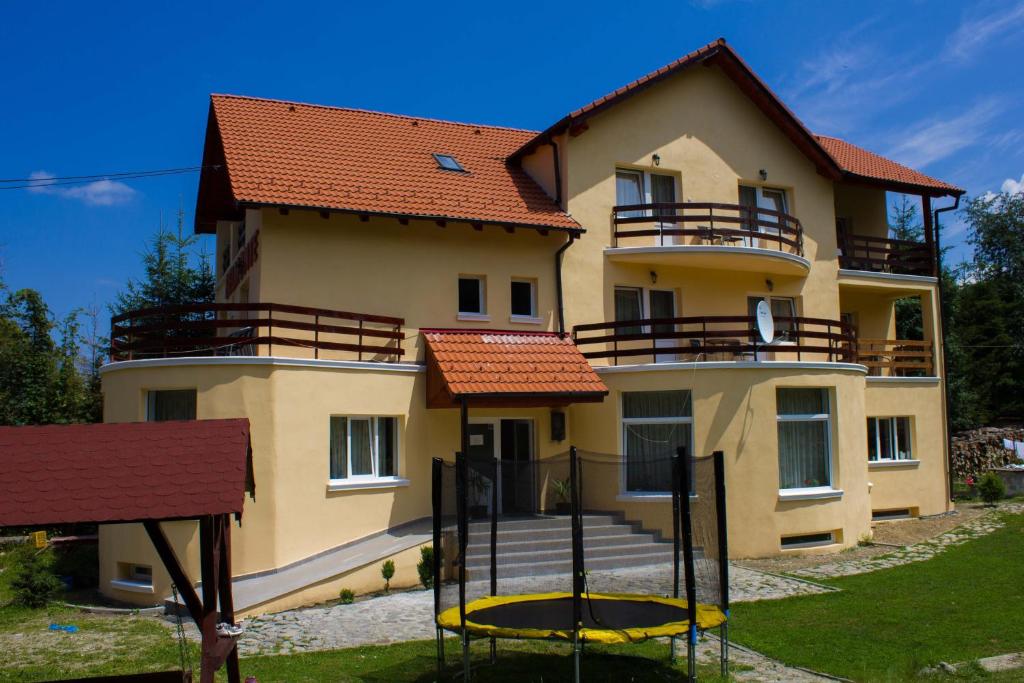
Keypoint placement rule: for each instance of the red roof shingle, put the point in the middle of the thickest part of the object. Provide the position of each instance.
(60, 474)
(489, 363)
(291, 154)
(861, 162)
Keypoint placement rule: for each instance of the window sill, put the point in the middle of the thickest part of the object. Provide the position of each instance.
(525, 320)
(816, 493)
(131, 585)
(363, 484)
(473, 317)
(647, 497)
(887, 464)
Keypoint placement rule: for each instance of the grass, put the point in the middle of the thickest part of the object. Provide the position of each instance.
(887, 625)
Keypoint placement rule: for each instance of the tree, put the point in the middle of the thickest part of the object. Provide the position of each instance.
(40, 378)
(175, 273)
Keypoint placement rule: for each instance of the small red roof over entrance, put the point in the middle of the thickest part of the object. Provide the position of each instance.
(498, 367)
(58, 474)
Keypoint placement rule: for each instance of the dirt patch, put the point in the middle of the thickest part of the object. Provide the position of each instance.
(886, 535)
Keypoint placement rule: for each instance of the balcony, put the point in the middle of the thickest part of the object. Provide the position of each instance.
(884, 255)
(715, 338)
(708, 235)
(896, 357)
(255, 329)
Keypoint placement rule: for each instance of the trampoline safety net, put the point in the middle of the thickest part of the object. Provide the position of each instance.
(542, 549)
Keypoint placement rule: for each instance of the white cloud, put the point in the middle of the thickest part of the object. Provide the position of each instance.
(1012, 186)
(974, 32)
(934, 139)
(95, 193)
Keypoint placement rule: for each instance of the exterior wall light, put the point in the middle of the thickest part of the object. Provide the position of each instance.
(654, 278)
(763, 173)
(656, 158)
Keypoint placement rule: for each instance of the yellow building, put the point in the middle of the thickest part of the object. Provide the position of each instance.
(393, 289)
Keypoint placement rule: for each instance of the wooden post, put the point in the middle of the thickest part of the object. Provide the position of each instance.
(208, 561)
(227, 601)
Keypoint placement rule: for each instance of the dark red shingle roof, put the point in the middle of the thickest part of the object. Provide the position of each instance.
(60, 474)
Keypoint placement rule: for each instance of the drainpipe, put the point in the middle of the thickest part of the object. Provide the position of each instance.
(942, 341)
(558, 283)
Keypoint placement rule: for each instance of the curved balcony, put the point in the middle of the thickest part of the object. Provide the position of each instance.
(715, 338)
(254, 329)
(708, 235)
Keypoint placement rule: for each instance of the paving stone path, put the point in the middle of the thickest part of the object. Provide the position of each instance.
(408, 615)
(925, 550)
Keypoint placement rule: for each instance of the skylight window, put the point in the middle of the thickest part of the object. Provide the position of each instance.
(448, 162)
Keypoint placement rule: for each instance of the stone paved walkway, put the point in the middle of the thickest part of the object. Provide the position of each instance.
(925, 550)
(409, 615)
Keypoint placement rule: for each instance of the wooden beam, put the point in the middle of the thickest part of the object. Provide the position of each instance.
(283, 210)
(174, 568)
(364, 217)
(227, 600)
(208, 562)
(929, 233)
(510, 229)
(441, 224)
(325, 215)
(478, 226)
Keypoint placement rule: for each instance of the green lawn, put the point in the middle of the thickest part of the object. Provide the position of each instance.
(887, 625)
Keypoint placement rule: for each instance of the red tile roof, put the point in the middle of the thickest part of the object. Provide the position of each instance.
(495, 362)
(836, 158)
(291, 154)
(59, 474)
(860, 162)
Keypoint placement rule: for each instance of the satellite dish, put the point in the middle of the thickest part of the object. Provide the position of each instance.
(765, 322)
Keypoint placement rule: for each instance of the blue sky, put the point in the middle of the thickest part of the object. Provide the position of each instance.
(106, 87)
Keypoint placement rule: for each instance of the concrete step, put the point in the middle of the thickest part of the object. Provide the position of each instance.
(544, 522)
(564, 535)
(621, 552)
(622, 537)
(548, 567)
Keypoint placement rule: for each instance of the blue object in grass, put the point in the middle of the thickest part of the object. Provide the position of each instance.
(67, 628)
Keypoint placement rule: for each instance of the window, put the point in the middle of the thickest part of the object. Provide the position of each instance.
(524, 298)
(141, 573)
(889, 439)
(654, 424)
(805, 436)
(771, 199)
(364, 447)
(782, 307)
(808, 540)
(176, 404)
(471, 295)
(629, 189)
(629, 306)
(448, 163)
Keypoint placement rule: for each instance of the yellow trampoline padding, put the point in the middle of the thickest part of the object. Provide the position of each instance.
(708, 616)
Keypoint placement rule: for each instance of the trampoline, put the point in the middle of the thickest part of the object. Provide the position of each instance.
(511, 561)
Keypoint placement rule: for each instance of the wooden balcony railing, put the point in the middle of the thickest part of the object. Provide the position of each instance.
(715, 338)
(896, 357)
(254, 329)
(884, 255)
(707, 223)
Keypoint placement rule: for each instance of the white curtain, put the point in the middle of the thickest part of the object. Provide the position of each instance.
(650, 446)
(339, 452)
(803, 443)
(629, 190)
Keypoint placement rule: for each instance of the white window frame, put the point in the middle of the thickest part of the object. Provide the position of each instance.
(828, 490)
(374, 479)
(480, 315)
(894, 419)
(653, 496)
(532, 317)
(647, 192)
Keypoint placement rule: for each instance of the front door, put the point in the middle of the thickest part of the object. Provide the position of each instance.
(663, 305)
(509, 444)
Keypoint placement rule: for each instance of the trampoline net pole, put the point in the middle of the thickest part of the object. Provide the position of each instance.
(691, 581)
(495, 487)
(723, 554)
(675, 543)
(435, 570)
(577, 545)
(461, 489)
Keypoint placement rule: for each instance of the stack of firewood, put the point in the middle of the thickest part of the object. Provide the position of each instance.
(978, 450)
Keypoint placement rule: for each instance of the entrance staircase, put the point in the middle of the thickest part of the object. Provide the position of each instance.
(541, 545)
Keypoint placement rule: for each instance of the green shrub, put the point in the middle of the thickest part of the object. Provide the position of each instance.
(33, 583)
(991, 487)
(387, 570)
(79, 561)
(346, 596)
(425, 567)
